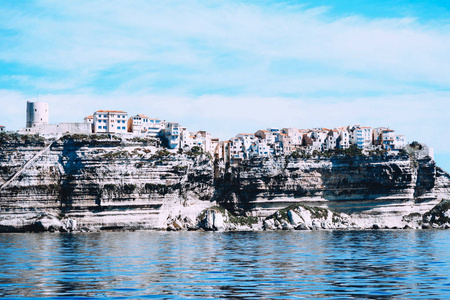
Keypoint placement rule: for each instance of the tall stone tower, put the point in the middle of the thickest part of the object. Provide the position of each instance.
(37, 114)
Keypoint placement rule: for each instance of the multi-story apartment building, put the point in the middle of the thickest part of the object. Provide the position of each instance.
(361, 136)
(138, 124)
(171, 134)
(110, 121)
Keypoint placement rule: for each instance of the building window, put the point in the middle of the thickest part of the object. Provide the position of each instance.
(99, 127)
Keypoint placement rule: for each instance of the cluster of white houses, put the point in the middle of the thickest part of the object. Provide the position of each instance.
(272, 141)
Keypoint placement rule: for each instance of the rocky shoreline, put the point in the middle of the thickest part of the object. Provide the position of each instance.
(80, 183)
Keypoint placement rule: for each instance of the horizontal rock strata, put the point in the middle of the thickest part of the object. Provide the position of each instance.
(87, 183)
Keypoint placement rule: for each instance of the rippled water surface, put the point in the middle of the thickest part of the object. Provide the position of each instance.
(248, 265)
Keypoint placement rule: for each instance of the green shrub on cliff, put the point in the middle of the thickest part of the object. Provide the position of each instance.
(90, 137)
(196, 150)
(416, 145)
(15, 138)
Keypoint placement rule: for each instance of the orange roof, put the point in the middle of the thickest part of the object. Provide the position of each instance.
(143, 116)
(112, 111)
(2, 126)
(89, 117)
(366, 127)
(246, 133)
(283, 134)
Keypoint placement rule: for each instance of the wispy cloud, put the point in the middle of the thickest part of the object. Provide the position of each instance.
(225, 45)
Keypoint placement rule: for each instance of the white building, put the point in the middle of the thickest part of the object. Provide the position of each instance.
(138, 124)
(2, 128)
(260, 148)
(186, 139)
(295, 135)
(268, 136)
(201, 139)
(110, 121)
(171, 134)
(236, 149)
(204, 141)
(89, 119)
(223, 151)
(247, 140)
(387, 139)
(361, 136)
(399, 142)
(141, 124)
(37, 122)
(284, 142)
(155, 127)
(318, 136)
(344, 139)
(37, 114)
(331, 141)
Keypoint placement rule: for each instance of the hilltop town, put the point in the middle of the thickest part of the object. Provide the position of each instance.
(262, 143)
(115, 171)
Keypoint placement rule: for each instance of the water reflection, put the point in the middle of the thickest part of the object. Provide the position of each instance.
(247, 265)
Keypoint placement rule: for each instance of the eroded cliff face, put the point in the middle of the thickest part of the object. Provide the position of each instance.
(368, 187)
(108, 183)
(87, 183)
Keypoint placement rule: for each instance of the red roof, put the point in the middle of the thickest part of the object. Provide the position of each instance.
(89, 117)
(143, 116)
(112, 111)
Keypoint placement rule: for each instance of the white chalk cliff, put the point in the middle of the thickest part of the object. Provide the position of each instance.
(87, 183)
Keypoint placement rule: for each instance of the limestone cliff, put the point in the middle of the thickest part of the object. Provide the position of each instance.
(102, 182)
(381, 190)
(105, 182)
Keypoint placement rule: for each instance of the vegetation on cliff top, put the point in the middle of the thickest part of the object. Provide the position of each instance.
(21, 139)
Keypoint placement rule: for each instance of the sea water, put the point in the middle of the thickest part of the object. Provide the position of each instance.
(237, 265)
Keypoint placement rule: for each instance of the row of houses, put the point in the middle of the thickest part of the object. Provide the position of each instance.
(274, 141)
(264, 143)
(173, 134)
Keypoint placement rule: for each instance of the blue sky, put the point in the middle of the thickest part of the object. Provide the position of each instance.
(233, 66)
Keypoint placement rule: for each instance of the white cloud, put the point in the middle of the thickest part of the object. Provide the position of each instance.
(86, 37)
